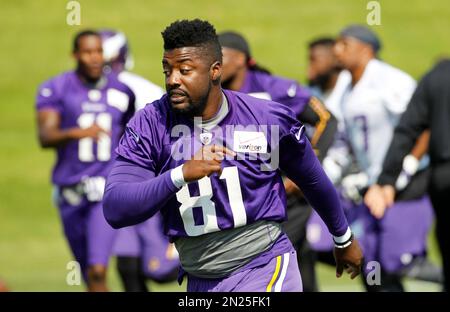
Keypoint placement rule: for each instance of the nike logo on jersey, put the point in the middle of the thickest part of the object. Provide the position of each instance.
(299, 133)
(133, 134)
(292, 91)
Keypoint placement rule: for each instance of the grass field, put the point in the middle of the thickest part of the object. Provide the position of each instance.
(35, 44)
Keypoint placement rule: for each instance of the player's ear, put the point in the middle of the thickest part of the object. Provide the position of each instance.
(216, 71)
(241, 59)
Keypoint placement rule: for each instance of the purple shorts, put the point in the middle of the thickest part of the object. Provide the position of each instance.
(317, 232)
(147, 240)
(89, 235)
(400, 235)
(275, 270)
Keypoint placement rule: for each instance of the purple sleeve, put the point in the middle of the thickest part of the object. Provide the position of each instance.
(133, 194)
(47, 97)
(290, 93)
(300, 164)
(140, 143)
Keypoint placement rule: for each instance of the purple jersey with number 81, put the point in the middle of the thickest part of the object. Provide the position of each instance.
(246, 191)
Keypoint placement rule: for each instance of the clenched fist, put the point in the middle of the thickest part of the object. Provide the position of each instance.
(205, 162)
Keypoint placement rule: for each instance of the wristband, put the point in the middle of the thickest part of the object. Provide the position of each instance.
(176, 175)
(344, 240)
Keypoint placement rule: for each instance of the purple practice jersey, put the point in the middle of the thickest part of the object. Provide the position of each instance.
(109, 105)
(285, 91)
(249, 188)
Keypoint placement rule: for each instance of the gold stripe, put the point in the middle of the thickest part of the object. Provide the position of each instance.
(275, 275)
(324, 116)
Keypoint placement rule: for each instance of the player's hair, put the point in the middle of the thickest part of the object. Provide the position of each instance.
(323, 41)
(192, 33)
(252, 65)
(81, 34)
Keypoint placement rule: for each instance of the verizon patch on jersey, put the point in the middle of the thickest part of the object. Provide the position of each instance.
(249, 142)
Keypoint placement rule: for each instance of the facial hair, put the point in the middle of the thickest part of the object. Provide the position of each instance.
(195, 108)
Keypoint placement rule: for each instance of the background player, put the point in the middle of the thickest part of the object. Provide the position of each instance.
(371, 105)
(220, 189)
(82, 113)
(143, 251)
(428, 109)
(326, 78)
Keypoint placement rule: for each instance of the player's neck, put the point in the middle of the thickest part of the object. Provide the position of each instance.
(331, 82)
(213, 104)
(237, 81)
(88, 80)
(358, 71)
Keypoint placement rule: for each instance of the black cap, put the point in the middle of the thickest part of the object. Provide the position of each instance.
(363, 34)
(233, 40)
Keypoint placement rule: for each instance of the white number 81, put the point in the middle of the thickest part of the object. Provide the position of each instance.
(231, 177)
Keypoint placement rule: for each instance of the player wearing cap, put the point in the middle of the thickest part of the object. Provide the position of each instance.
(371, 104)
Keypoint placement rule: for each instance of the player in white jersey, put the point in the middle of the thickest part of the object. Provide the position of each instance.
(371, 107)
(146, 91)
(118, 57)
(143, 251)
(371, 103)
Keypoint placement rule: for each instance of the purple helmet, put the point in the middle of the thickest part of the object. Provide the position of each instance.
(116, 51)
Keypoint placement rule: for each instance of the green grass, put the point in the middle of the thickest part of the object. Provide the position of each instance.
(35, 41)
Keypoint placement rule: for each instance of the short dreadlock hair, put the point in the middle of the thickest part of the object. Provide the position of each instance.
(81, 34)
(323, 41)
(193, 33)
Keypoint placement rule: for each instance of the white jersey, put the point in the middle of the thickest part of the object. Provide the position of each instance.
(338, 159)
(144, 90)
(332, 99)
(371, 110)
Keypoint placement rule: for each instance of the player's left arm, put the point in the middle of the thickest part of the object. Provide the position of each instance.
(300, 164)
(324, 123)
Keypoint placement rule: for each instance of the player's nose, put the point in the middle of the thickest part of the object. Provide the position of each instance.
(173, 79)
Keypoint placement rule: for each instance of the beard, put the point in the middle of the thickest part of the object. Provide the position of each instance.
(323, 79)
(320, 81)
(194, 108)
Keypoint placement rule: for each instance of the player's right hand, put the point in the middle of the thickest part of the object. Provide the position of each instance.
(352, 184)
(205, 162)
(94, 131)
(378, 199)
(349, 259)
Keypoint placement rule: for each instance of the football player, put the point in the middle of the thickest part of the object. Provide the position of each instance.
(82, 114)
(371, 103)
(209, 160)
